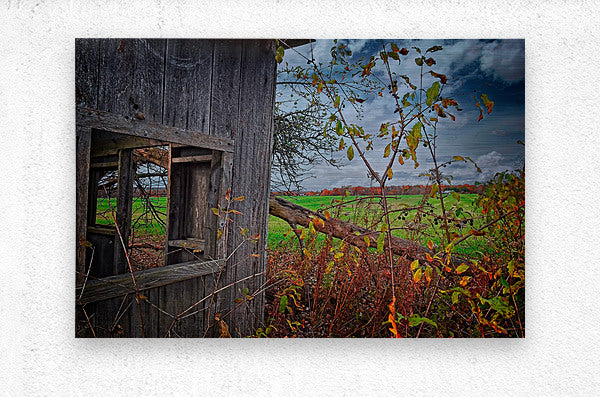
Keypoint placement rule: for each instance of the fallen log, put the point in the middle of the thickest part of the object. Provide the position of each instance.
(349, 232)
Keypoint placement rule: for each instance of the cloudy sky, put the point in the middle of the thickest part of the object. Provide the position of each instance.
(493, 67)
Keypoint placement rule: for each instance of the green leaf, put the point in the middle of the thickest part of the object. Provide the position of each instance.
(462, 268)
(455, 297)
(434, 190)
(380, 242)
(336, 102)
(329, 267)
(432, 93)
(279, 54)
(419, 61)
(367, 241)
(339, 129)
(416, 130)
(283, 302)
(386, 152)
(350, 153)
(415, 320)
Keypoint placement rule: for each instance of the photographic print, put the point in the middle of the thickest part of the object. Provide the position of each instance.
(282, 188)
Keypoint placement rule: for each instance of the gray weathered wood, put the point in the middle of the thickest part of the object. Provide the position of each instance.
(188, 72)
(83, 140)
(124, 208)
(193, 159)
(251, 173)
(97, 119)
(191, 244)
(86, 72)
(110, 164)
(106, 147)
(221, 90)
(122, 284)
(131, 74)
(225, 90)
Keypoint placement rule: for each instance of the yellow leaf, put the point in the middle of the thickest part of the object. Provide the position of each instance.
(462, 268)
(306, 253)
(390, 173)
(326, 214)
(428, 274)
(85, 243)
(387, 150)
(414, 265)
(430, 244)
(417, 275)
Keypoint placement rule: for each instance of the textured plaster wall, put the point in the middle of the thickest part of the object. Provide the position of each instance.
(39, 355)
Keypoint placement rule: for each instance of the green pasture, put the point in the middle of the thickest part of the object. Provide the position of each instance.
(143, 219)
(362, 212)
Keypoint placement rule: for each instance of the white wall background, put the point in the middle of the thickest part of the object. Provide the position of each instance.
(38, 354)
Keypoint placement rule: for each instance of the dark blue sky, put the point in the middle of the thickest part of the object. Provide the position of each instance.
(493, 67)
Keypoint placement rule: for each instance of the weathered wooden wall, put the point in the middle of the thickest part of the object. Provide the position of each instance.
(224, 88)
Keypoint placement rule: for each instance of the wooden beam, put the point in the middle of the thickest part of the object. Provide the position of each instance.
(106, 147)
(193, 159)
(110, 164)
(122, 284)
(190, 243)
(92, 118)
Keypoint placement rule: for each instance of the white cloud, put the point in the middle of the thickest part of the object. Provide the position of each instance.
(504, 60)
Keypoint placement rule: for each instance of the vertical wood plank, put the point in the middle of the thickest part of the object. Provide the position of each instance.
(83, 141)
(251, 170)
(124, 208)
(188, 75)
(131, 74)
(225, 98)
(225, 122)
(93, 196)
(86, 72)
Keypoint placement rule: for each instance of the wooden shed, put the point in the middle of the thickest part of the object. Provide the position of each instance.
(211, 103)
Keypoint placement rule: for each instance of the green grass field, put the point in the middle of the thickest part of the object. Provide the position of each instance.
(364, 212)
(142, 220)
(360, 212)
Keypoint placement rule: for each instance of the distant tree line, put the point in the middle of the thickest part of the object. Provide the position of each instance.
(389, 190)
